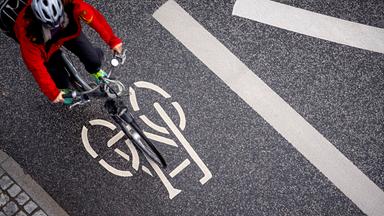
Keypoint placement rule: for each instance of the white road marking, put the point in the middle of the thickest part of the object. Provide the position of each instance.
(180, 168)
(185, 143)
(148, 85)
(180, 111)
(135, 155)
(115, 139)
(293, 127)
(311, 24)
(160, 139)
(153, 125)
(146, 170)
(87, 145)
(171, 190)
(133, 99)
(122, 154)
(102, 122)
(115, 171)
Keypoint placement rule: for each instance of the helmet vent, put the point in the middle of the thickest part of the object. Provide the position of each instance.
(49, 12)
(46, 14)
(54, 11)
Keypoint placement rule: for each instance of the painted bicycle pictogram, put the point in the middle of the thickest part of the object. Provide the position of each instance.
(170, 135)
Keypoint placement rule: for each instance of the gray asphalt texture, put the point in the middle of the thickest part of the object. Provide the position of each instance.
(336, 88)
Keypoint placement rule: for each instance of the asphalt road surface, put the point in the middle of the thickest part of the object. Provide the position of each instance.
(253, 118)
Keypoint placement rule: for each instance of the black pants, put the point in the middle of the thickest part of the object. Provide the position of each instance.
(90, 56)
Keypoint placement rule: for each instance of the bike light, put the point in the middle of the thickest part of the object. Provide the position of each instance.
(114, 62)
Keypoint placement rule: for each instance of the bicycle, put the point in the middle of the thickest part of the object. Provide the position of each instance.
(116, 109)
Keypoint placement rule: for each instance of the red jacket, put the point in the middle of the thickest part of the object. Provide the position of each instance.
(35, 55)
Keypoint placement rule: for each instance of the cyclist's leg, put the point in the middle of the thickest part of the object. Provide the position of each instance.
(89, 55)
(55, 67)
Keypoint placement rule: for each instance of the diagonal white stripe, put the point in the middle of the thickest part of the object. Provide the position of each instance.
(293, 127)
(180, 168)
(311, 24)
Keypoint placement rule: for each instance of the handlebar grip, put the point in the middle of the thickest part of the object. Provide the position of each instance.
(71, 95)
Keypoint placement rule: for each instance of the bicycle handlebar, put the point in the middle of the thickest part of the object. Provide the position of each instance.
(104, 85)
(119, 59)
(72, 95)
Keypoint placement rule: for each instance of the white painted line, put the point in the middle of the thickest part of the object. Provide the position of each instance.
(160, 139)
(135, 155)
(311, 24)
(180, 111)
(185, 143)
(151, 86)
(293, 127)
(153, 125)
(146, 170)
(88, 147)
(133, 99)
(180, 168)
(102, 122)
(122, 154)
(171, 190)
(115, 171)
(115, 139)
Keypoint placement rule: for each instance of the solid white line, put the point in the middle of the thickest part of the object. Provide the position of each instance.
(160, 139)
(311, 24)
(179, 168)
(153, 125)
(293, 127)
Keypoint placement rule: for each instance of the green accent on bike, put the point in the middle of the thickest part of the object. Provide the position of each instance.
(99, 74)
(67, 101)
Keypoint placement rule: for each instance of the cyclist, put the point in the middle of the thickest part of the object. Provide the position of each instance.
(44, 26)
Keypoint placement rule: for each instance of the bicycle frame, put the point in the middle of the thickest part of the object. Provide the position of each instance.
(116, 109)
(73, 74)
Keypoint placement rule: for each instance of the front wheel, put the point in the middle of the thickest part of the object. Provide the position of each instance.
(140, 141)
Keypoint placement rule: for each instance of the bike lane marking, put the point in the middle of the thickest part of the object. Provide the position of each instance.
(180, 168)
(283, 118)
(311, 24)
(133, 157)
(187, 146)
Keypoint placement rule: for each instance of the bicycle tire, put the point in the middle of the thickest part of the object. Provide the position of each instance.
(141, 142)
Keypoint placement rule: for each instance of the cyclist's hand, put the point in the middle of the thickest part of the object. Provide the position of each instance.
(59, 98)
(118, 48)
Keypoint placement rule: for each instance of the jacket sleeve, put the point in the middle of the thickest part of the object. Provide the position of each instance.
(97, 21)
(35, 63)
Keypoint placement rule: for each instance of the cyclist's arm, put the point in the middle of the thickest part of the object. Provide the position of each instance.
(35, 63)
(33, 59)
(97, 21)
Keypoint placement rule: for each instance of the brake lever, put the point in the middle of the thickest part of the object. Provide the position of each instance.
(81, 102)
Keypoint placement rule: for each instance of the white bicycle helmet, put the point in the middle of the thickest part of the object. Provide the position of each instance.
(49, 12)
